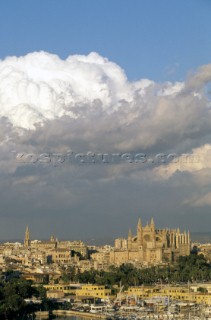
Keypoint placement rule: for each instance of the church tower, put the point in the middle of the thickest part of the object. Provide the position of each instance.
(27, 241)
(139, 233)
(152, 231)
(129, 241)
(152, 225)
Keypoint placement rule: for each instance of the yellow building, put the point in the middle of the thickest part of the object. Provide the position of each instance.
(183, 293)
(186, 294)
(96, 291)
(65, 288)
(142, 292)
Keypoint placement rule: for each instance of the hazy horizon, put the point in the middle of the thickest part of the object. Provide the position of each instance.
(202, 237)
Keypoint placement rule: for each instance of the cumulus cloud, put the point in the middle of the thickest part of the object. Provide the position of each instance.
(89, 98)
(86, 103)
(41, 86)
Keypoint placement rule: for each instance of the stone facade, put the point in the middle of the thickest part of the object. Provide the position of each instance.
(151, 246)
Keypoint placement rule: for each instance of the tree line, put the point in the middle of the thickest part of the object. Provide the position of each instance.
(193, 268)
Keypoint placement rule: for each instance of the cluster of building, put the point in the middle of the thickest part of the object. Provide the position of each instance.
(199, 293)
(89, 292)
(149, 246)
(44, 262)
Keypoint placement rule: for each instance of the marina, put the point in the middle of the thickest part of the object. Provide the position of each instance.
(174, 311)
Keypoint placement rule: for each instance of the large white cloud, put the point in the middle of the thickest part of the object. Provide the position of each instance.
(42, 86)
(100, 103)
(87, 103)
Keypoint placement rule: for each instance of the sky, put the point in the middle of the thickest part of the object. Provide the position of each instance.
(104, 77)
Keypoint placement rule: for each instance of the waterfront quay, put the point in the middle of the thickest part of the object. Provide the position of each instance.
(174, 311)
(68, 314)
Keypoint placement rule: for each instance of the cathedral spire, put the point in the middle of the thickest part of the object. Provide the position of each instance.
(188, 237)
(139, 233)
(139, 226)
(27, 233)
(27, 241)
(129, 241)
(130, 234)
(152, 223)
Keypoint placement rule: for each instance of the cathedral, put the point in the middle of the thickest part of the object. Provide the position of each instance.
(151, 246)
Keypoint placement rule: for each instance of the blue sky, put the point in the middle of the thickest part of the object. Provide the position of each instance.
(156, 39)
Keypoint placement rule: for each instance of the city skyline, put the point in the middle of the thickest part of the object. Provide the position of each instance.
(104, 78)
(28, 236)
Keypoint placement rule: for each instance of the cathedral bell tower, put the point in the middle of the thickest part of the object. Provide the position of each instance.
(129, 241)
(152, 231)
(139, 233)
(27, 241)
